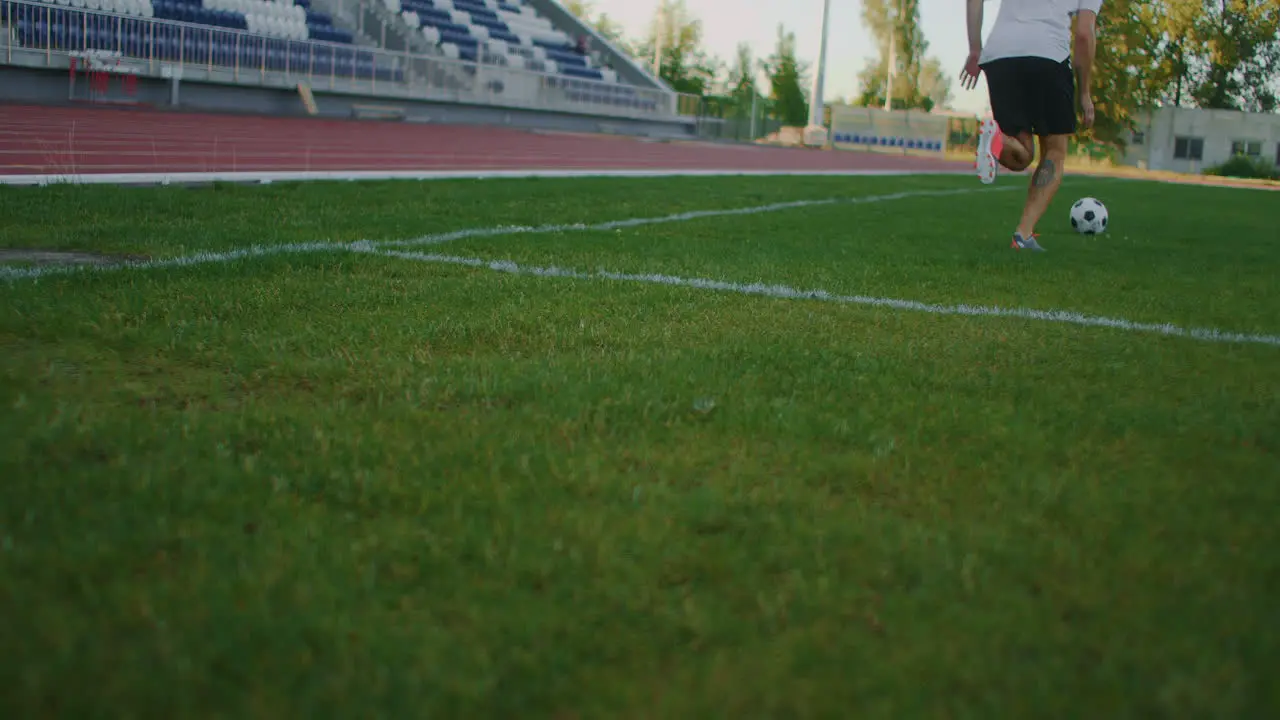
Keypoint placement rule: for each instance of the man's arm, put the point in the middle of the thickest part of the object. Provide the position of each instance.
(973, 14)
(1086, 48)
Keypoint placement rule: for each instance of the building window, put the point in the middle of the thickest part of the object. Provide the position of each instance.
(1138, 137)
(1250, 148)
(1188, 148)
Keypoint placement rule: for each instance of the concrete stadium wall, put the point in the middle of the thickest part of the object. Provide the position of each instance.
(45, 86)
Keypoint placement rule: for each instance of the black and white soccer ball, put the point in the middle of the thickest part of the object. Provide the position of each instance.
(1089, 216)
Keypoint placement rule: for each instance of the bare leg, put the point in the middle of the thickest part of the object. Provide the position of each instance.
(1016, 154)
(1044, 183)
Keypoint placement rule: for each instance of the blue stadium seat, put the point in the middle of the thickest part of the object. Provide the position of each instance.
(582, 72)
(72, 30)
(459, 39)
(507, 33)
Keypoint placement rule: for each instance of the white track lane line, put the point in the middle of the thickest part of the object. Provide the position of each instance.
(269, 176)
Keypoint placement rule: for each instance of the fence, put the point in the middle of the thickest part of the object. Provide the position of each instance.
(53, 36)
(723, 118)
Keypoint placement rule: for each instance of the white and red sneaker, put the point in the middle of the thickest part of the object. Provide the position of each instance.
(990, 143)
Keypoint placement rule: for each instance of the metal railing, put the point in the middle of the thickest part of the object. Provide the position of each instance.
(53, 34)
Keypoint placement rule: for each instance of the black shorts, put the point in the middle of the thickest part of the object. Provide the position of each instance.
(1032, 94)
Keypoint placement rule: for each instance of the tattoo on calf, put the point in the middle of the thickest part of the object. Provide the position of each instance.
(1045, 173)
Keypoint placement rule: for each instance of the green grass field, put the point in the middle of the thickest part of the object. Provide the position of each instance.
(339, 484)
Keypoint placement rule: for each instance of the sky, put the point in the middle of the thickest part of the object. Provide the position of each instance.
(725, 23)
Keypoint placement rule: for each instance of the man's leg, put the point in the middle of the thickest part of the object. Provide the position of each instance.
(1044, 182)
(996, 146)
(1016, 152)
(1005, 138)
(1054, 120)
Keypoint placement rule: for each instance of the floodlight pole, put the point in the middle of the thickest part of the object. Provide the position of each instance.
(819, 77)
(658, 37)
(815, 134)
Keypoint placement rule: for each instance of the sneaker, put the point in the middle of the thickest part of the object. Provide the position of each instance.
(1025, 243)
(990, 142)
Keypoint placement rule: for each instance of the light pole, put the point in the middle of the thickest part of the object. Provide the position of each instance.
(815, 134)
(658, 36)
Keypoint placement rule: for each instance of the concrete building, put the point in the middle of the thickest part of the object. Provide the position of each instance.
(1189, 140)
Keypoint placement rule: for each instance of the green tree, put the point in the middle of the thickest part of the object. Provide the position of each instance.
(1206, 53)
(1174, 24)
(918, 80)
(684, 65)
(742, 83)
(786, 81)
(934, 85)
(1134, 66)
(1241, 60)
(584, 10)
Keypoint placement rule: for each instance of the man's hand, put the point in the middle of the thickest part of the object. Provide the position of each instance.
(1086, 108)
(970, 72)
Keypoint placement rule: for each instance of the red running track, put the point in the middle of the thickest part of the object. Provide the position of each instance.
(84, 140)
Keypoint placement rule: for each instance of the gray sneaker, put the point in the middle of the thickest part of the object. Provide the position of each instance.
(1025, 243)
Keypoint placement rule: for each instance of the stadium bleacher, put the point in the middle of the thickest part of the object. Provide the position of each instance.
(498, 32)
(291, 36)
(510, 33)
(289, 19)
(239, 33)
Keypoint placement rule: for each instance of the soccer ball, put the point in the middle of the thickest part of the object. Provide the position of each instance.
(1089, 216)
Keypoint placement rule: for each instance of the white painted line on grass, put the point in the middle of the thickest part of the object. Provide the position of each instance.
(254, 251)
(268, 176)
(760, 289)
(35, 272)
(440, 238)
(791, 293)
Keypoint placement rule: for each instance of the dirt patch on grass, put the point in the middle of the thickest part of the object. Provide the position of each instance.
(64, 257)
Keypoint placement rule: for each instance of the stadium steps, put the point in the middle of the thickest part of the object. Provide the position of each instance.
(371, 14)
(363, 19)
(363, 16)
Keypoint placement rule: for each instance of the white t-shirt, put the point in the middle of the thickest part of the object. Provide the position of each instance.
(1038, 28)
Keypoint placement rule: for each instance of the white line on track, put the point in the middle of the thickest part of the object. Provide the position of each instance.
(268, 176)
(388, 249)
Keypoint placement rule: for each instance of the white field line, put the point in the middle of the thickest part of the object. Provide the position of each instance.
(760, 289)
(255, 251)
(677, 217)
(791, 293)
(266, 177)
(201, 258)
